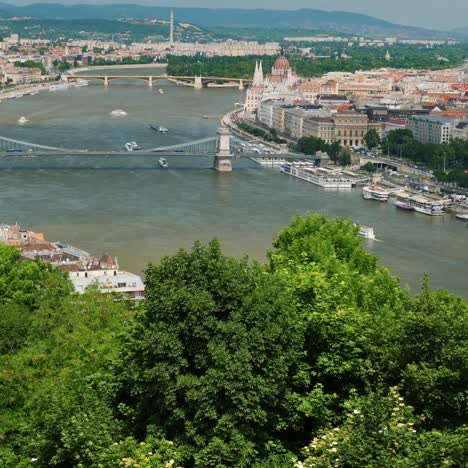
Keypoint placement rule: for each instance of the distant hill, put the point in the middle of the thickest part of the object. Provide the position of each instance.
(461, 32)
(309, 19)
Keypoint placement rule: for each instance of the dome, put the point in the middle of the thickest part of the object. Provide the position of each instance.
(282, 63)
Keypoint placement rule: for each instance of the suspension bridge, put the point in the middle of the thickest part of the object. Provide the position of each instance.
(222, 148)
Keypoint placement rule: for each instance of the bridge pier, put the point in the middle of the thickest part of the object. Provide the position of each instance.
(223, 158)
(150, 81)
(241, 85)
(106, 81)
(198, 83)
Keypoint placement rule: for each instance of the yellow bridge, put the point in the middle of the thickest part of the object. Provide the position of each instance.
(196, 82)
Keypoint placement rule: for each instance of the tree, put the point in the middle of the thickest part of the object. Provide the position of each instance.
(215, 357)
(372, 138)
(382, 430)
(369, 167)
(344, 157)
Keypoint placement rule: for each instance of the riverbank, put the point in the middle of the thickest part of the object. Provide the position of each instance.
(23, 90)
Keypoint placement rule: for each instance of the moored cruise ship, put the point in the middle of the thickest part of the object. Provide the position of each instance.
(427, 207)
(325, 178)
(373, 192)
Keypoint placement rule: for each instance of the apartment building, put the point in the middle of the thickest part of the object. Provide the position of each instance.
(431, 129)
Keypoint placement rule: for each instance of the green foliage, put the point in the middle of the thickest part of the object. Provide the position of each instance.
(233, 363)
(344, 157)
(32, 64)
(29, 283)
(369, 167)
(372, 138)
(453, 156)
(362, 58)
(214, 357)
(310, 145)
(383, 431)
(145, 59)
(267, 135)
(430, 357)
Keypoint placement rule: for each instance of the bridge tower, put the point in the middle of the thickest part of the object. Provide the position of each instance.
(150, 81)
(106, 81)
(241, 85)
(223, 158)
(198, 83)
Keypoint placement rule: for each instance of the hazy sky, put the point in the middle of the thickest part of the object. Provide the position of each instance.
(441, 14)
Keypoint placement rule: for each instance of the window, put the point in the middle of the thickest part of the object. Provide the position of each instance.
(121, 285)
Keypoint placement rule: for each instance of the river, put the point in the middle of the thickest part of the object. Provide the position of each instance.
(129, 207)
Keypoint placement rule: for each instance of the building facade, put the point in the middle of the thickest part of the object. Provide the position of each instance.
(431, 129)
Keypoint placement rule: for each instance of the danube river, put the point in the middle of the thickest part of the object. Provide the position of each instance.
(129, 207)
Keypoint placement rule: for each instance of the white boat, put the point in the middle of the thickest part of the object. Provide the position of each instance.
(205, 116)
(79, 83)
(162, 129)
(118, 113)
(462, 216)
(58, 86)
(373, 192)
(427, 207)
(131, 146)
(160, 91)
(22, 120)
(325, 178)
(404, 204)
(367, 232)
(163, 163)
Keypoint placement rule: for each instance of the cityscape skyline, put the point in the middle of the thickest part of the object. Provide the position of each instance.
(429, 14)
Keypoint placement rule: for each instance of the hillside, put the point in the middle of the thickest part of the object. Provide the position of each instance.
(309, 19)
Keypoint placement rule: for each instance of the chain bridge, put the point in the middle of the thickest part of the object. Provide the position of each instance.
(221, 147)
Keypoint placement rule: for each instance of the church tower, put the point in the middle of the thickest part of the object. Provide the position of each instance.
(258, 75)
(388, 57)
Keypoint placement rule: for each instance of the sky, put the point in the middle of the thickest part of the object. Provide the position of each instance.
(437, 14)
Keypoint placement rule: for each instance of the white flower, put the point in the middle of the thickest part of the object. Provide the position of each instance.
(171, 462)
(333, 449)
(33, 460)
(400, 424)
(356, 411)
(334, 443)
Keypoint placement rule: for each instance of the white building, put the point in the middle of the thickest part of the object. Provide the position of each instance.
(431, 129)
(108, 281)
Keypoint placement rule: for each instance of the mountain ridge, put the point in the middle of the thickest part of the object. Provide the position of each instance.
(304, 18)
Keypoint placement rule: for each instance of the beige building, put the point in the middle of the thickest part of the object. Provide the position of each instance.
(347, 128)
(21, 75)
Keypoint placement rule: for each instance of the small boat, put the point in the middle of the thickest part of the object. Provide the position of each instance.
(22, 120)
(162, 129)
(118, 113)
(462, 216)
(131, 146)
(58, 86)
(79, 83)
(205, 116)
(367, 232)
(163, 163)
(403, 204)
(160, 91)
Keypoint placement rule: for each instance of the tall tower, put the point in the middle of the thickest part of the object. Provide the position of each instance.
(258, 75)
(171, 36)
